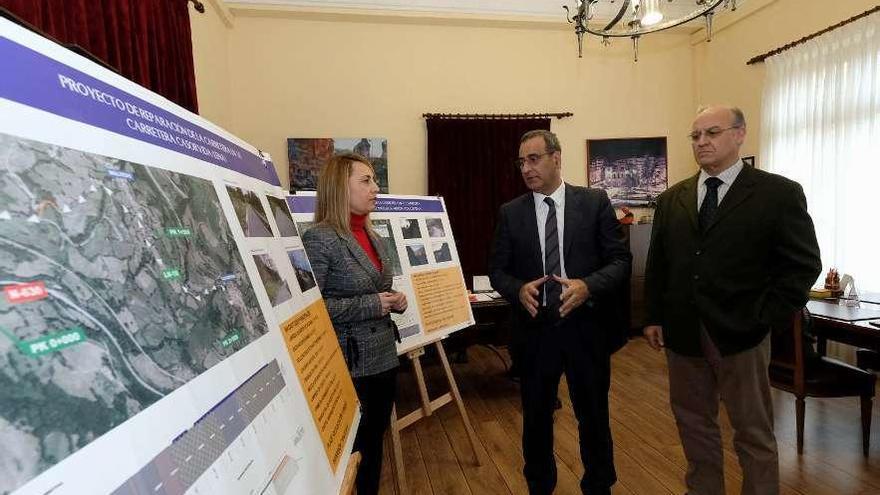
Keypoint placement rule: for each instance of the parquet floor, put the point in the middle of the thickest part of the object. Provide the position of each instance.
(648, 457)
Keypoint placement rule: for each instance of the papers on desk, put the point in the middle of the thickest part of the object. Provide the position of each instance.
(480, 297)
(484, 296)
(482, 283)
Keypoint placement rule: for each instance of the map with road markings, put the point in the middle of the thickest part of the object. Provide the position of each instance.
(118, 284)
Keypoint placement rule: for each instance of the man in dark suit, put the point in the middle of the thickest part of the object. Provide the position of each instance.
(733, 255)
(558, 257)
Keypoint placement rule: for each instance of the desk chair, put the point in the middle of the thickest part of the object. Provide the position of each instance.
(868, 359)
(797, 369)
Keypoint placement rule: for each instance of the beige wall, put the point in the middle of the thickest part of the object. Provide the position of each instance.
(720, 70)
(210, 33)
(352, 77)
(269, 75)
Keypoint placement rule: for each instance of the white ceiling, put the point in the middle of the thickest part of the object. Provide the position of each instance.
(507, 8)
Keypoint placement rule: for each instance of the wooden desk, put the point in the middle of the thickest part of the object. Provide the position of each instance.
(870, 297)
(492, 318)
(853, 328)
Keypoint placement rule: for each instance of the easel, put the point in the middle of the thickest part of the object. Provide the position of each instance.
(427, 409)
(350, 474)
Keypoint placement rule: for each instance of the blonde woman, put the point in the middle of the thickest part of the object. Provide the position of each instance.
(354, 274)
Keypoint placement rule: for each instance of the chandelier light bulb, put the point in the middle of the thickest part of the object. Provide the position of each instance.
(652, 13)
(636, 18)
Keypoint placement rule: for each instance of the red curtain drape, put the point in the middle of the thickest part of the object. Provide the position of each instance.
(470, 164)
(147, 41)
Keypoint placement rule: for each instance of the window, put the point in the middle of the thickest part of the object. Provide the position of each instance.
(821, 127)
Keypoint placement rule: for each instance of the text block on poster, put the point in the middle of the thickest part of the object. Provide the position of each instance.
(324, 377)
(442, 298)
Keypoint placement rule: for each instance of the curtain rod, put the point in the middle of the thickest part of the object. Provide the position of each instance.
(498, 116)
(776, 51)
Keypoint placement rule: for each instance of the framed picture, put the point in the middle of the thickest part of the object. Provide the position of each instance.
(749, 161)
(633, 171)
(305, 156)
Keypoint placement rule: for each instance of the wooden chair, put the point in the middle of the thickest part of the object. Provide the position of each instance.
(797, 369)
(868, 359)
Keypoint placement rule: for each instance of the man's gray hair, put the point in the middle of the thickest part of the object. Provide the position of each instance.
(739, 118)
(551, 142)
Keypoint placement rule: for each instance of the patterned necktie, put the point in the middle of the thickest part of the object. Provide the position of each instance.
(710, 202)
(552, 288)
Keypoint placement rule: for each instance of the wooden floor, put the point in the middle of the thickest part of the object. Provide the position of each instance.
(648, 457)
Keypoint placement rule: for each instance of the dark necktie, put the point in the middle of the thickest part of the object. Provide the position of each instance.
(552, 288)
(710, 203)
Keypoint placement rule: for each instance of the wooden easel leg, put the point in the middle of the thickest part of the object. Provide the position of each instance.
(472, 436)
(397, 455)
(350, 474)
(420, 381)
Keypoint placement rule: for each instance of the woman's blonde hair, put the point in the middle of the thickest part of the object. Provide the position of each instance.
(332, 204)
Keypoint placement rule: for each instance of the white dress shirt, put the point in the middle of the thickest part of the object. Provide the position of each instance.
(542, 209)
(727, 177)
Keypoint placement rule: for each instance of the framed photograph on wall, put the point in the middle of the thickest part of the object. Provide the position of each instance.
(633, 171)
(305, 156)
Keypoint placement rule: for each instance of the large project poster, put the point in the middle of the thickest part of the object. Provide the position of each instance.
(158, 318)
(416, 232)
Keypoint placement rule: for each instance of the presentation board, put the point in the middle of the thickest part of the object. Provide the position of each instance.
(158, 330)
(416, 232)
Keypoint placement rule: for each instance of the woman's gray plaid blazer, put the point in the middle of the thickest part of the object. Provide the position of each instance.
(350, 285)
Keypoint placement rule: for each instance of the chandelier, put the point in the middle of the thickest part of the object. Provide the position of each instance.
(636, 18)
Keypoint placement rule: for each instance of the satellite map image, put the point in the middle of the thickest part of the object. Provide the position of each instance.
(120, 283)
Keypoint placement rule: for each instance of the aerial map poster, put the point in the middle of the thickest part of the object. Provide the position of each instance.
(148, 267)
(415, 232)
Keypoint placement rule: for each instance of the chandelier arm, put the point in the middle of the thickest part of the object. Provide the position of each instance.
(656, 28)
(622, 12)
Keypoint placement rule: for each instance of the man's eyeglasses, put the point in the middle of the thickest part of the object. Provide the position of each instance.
(711, 132)
(530, 159)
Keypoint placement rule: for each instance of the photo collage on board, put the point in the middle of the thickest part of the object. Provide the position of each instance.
(426, 243)
(276, 246)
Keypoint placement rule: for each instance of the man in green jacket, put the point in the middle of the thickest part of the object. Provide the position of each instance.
(733, 255)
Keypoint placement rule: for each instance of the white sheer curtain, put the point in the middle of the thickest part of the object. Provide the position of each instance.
(821, 127)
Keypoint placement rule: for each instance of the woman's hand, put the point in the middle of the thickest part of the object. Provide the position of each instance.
(401, 304)
(388, 300)
(392, 301)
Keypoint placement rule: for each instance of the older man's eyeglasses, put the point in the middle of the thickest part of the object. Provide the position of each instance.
(711, 132)
(531, 159)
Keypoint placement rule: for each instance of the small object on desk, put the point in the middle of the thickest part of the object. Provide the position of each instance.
(832, 282)
(479, 298)
(482, 283)
(494, 295)
(875, 323)
(849, 293)
(628, 216)
(820, 293)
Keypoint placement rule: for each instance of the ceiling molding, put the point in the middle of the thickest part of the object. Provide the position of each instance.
(247, 9)
(730, 18)
(224, 12)
(551, 9)
(294, 9)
